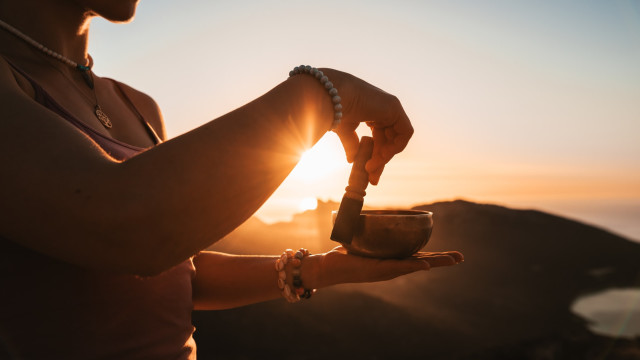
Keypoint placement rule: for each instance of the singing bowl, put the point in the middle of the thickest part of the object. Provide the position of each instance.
(388, 234)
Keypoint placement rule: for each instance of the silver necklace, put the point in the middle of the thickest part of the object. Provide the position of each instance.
(85, 70)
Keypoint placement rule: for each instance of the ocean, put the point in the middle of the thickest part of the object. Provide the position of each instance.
(619, 216)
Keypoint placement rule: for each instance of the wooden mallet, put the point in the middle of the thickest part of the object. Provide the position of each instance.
(353, 199)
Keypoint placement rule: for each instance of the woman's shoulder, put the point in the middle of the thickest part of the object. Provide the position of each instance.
(145, 104)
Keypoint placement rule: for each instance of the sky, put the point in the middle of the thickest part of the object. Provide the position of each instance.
(529, 104)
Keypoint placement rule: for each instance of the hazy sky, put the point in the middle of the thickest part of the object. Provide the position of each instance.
(531, 103)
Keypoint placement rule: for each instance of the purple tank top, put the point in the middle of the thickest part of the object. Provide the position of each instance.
(50, 309)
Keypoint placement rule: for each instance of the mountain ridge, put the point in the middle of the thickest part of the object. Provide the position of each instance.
(522, 271)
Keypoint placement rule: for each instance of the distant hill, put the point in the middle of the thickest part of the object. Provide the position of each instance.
(509, 300)
(310, 229)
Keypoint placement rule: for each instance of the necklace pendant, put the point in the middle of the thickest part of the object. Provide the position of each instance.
(104, 119)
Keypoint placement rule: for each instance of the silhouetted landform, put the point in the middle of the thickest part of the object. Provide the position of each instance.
(509, 300)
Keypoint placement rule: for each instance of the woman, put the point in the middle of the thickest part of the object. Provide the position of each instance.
(103, 222)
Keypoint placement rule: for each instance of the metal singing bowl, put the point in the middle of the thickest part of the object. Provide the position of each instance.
(390, 233)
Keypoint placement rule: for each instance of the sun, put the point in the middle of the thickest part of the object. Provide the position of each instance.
(321, 173)
(308, 203)
(320, 162)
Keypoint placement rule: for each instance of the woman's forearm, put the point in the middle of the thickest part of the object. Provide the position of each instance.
(226, 281)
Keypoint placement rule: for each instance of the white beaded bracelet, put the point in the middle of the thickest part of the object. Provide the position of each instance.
(328, 85)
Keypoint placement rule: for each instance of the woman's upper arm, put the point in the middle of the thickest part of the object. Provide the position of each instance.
(48, 168)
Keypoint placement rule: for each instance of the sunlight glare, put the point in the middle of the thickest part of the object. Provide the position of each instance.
(308, 203)
(322, 161)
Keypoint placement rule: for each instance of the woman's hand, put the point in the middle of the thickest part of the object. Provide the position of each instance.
(381, 111)
(338, 267)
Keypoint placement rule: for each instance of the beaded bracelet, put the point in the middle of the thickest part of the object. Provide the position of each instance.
(324, 80)
(298, 292)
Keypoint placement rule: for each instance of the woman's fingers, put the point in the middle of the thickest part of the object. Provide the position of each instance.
(379, 157)
(387, 142)
(456, 255)
(440, 260)
(342, 267)
(383, 113)
(349, 140)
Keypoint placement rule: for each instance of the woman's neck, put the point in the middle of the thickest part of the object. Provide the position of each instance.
(59, 25)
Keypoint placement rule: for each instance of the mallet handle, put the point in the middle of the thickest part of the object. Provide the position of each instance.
(351, 205)
(359, 178)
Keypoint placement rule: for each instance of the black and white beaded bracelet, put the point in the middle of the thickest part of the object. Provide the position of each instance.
(295, 259)
(328, 85)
